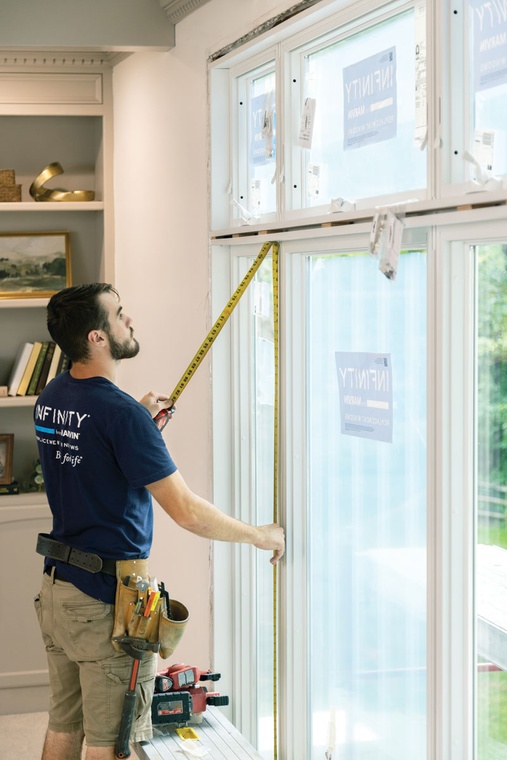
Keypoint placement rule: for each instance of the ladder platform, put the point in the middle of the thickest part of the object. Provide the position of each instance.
(217, 735)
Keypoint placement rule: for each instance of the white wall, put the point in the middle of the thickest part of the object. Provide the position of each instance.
(162, 276)
(162, 264)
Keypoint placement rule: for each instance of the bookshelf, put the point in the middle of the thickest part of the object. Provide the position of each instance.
(53, 108)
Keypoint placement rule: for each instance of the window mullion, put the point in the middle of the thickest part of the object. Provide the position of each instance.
(455, 482)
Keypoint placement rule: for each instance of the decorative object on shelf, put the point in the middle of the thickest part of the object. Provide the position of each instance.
(9, 489)
(36, 479)
(6, 451)
(34, 264)
(10, 192)
(41, 193)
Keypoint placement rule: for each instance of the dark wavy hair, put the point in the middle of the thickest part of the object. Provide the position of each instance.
(72, 313)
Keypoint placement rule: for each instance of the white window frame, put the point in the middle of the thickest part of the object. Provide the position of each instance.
(451, 417)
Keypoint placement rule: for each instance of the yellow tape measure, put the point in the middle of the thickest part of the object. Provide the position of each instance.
(276, 352)
(164, 415)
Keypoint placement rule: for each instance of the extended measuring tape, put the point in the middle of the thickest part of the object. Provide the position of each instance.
(276, 409)
(164, 415)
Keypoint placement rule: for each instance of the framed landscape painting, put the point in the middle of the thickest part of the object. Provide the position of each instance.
(34, 264)
(6, 451)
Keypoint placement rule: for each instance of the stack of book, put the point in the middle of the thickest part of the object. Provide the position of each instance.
(36, 364)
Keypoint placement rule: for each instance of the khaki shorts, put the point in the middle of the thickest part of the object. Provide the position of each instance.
(88, 677)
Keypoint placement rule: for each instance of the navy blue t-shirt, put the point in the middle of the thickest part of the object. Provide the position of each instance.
(98, 449)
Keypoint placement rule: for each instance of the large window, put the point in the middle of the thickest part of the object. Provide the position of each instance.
(392, 635)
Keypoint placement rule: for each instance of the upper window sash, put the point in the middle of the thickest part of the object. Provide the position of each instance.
(355, 133)
(473, 93)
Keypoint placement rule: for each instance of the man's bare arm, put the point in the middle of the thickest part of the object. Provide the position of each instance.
(199, 516)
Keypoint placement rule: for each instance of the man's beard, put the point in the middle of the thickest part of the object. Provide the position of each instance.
(126, 350)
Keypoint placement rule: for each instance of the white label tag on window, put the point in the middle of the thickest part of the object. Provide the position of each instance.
(307, 123)
(483, 151)
(255, 195)
(313, 180)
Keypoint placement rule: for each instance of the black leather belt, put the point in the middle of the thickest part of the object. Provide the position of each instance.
(49, 547)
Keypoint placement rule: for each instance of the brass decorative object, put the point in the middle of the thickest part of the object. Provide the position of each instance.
(41, 193)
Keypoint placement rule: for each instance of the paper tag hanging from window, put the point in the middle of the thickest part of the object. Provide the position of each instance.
(377, 228)
(307, 123)
(390, 246)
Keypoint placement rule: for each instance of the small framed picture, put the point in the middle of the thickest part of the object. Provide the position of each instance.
(34, 264)
(6, 452)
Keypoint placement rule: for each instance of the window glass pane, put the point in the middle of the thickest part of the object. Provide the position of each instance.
(258, 184)
(363, 141)
(488, 84)
(491, 549)
(367, 507)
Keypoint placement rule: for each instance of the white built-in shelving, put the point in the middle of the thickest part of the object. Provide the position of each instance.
(53, 109)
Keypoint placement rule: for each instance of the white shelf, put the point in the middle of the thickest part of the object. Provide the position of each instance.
(23, 303)
(18, 401)
(52, 206)
(32, 499)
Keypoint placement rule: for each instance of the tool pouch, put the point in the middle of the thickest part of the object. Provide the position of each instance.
(129, 618)
(171, 630)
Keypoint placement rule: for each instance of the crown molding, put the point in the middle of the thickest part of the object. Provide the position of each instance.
(71, 59)
(177, 10)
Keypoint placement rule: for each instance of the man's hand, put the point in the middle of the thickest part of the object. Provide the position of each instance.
(272, 537)
(154, 402)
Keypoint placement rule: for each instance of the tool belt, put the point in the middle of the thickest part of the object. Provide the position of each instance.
(53, 549)
(144, 610)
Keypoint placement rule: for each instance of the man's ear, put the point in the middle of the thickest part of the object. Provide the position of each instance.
(97, 338)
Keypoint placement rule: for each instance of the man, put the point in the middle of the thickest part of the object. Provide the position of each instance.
(103, 459)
